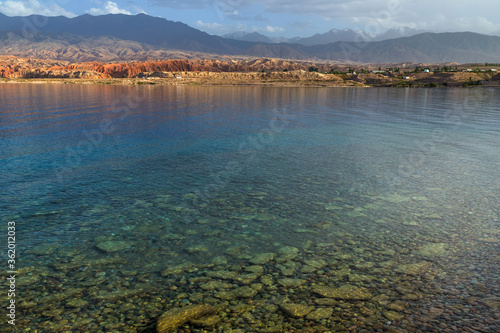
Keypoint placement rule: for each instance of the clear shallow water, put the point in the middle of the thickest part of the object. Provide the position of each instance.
(128, 199)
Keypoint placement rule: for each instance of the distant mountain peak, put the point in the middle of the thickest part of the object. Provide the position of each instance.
(332, 36)
(254, 37)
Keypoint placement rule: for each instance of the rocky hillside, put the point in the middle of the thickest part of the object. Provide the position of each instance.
(13, 67)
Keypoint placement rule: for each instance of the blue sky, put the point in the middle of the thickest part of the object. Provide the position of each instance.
(288, 18)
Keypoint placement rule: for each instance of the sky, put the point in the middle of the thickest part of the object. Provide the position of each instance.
(287, 18)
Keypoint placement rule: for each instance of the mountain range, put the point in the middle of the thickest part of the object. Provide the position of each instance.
(256, 37)
(118, 37)
(332, 36)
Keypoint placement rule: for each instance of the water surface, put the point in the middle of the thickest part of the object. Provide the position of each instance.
(128, 200)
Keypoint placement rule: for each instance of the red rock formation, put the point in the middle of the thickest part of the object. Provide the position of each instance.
(15, 67)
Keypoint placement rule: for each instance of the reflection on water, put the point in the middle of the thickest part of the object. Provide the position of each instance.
(253, 209)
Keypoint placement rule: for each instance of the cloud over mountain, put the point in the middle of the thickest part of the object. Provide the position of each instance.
(370, 16)
(108, 8)
(29, 7)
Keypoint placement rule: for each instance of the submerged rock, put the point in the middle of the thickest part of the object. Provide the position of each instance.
(410, 223)
(178, 269)
(414, 269)
(262, 258)
(215, 285)
(325, 301)
(225, 275)
(433, 250)
(256, 269)
(26, 280)
(392, 315)
(322, 224)
(318, 263)
(243, 292)
(112, 296)
(291, 283)
(196, 249)
(288, 252)
(296, 310)
(53, 312)
(394, 198)
(273, 329)
(77, 303)
(113, 246)
(321, 313)
(246, 278)
(44, 250)
(347, 292)
(219, 260)
(492, 302)
(206, 321)
(172, 319)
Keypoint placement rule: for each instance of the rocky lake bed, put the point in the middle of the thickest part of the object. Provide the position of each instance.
(213, 275)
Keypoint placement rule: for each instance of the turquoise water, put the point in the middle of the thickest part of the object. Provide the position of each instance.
(129, 200)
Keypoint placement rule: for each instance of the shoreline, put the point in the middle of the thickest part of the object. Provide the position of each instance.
(256, 82)
(256, 72)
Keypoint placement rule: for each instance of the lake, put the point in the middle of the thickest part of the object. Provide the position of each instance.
(254, 209)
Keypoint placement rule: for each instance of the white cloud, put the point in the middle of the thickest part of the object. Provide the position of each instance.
(29, 7)
(137, 9)
(271, 29)
(380, 15)
(216, 28)
(219, 29)
(108, 8)
(476, 23)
